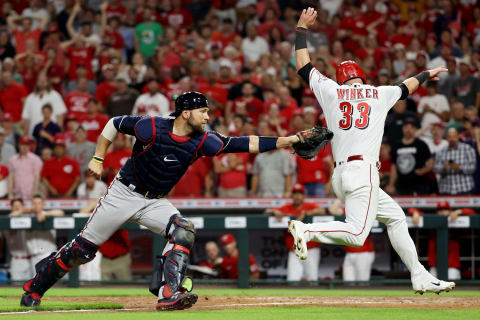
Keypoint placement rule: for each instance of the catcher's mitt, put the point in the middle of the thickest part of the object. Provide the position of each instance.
(311, 141)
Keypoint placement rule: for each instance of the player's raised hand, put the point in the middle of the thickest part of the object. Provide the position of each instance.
(307, 18)
(434, 73)
(95, 169)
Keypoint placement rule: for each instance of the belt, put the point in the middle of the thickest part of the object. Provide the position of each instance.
(354, 158)
(26, 257)
(146, 193)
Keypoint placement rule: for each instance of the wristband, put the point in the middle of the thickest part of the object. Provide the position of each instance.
(422, 77)
(267, 143)
(97, 159)
(301, 38)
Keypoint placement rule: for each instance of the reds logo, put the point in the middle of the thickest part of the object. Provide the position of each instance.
(68, 168)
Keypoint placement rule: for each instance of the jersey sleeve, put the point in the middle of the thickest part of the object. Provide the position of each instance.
(230, 144)
(321, 86)
(126, 124)
(389, 95)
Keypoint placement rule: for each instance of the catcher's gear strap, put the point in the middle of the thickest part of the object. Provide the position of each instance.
(304, 72)
(300, 38)
(77, 252)
(405, 92)
(267, 143)
(422, 76)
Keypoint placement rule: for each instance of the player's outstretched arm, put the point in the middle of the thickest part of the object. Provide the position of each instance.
(262, 144)
(410, 85)
(306, 20)
(95, 167)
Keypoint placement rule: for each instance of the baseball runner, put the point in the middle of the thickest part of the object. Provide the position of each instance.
(162, 153)
(355, 112)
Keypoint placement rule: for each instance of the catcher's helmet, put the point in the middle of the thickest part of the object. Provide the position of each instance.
(188, 101)
(349, 70)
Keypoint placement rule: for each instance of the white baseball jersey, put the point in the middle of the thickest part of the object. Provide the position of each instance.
(156, 105)
(355, 114)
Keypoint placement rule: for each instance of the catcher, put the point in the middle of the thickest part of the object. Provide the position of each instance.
(162, 153)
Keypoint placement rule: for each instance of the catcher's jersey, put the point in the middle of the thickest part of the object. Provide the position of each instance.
(355, 114)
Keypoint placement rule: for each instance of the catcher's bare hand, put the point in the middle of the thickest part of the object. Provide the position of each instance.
(307, 18)
(434, 73)
(95, 169)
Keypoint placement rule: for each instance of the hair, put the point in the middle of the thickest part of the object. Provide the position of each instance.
(38, 196)
(16, 200)
(48, 87)
(47, 106)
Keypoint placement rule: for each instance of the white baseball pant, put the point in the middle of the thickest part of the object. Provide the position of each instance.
(357, 266)
(296, 268)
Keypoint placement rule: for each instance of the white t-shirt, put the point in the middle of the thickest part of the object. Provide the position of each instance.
(156, 105)
(99, 189)
(252, 50)
(437, 103)
(435, 148)
(32, 110)
(355, 114)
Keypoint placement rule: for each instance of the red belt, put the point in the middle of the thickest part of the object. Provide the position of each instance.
(26, 257)
(353, 158)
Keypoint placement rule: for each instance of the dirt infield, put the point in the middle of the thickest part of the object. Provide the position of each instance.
(238, 302)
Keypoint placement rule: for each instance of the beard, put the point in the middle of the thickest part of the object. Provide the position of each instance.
(196, 128)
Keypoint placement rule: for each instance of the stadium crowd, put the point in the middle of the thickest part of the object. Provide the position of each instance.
(68, 66)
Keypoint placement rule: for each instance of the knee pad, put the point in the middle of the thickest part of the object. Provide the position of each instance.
(184, 232)
(77, 252)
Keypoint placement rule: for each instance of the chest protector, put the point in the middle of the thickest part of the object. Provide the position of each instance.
(159, 157)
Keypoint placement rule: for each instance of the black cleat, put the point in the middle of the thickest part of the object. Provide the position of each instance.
(178, 301)
(30, 300)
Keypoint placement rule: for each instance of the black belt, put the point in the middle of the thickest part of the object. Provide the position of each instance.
(147, 194)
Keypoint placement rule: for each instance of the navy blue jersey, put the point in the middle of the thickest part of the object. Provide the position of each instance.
(160, 158)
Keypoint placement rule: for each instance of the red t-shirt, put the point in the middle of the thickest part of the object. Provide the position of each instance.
(104, 91)
(224, 39)
(289, 210)
(254, 107)
(77, 103)
(22, 37)
(56, 71)
(115, 160)
(117, 10)
(93, 125)
(29, 77)
(234, 178)
(367, 247)
(117, 245)
(179, 18)
(10, 100)
(207, 263)
(229, 266)
(61, 173)
(193, 181)
(314, 170)
(216, 92)
(285, 112)
(117, 39)
(80, 56)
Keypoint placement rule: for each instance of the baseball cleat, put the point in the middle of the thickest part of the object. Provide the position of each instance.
(179, 301)
(300, 244)
(30, 300)
(432, 284)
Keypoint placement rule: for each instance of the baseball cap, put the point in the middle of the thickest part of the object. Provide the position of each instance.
(422, 53)
(227, 238)
(108, 66)
(298, 188)
(7, 117)
(309, 109)
(439, 124)
(308, 93)
(443, 205)
(120, 77)
(383, 72)
(226, 63)
(399, 46)
(463, 61)
(59, 139)
(25, 140)
(412, 121)
(70, 117)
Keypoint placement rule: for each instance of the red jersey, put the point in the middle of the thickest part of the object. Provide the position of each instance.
(117, 245)
(22, 37)
(216, 92)
(289, 210)
(61, 173)
(104, 91)
(93, 125)
(207, 263)
(80, 56)
(316, 169)
(116, 10)
(11, 100)
(77, 103)
(116, 39)
(193, 181)
(56, 71)
(229, 266)
(254, 107)
(234, 178)
(179, 18)
(224, 39)
(29, 77)
(115, 160)
(285, 112)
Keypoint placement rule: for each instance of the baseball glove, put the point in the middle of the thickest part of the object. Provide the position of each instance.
(311, 141)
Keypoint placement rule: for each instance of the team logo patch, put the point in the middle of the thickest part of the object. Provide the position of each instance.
(68, 168)
(406, 163)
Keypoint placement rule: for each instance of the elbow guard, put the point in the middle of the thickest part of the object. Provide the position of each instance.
(405, 91)
(304, 72)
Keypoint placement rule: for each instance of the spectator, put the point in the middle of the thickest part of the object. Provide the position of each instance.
(447, 86)
(197, 182)
(7, 50)
(457, 117)
(60, 174)
(109, 30)
(94, 121)
(395, 121)
(77, 100)
(253, 46)
(26, 32)
(252, 105)
(11, 136)
(433, 107)
(91, 188)
(45, 131)
(456, 165)
(467, 88)
(271, 173)
(54, 69)
(300, 209)
(314, 174)
(106, 88)
(411, 163)
(81, 150)
(212, 252)
(147, 34)
(81, 72)
(116, 259)
(232, 175)
(86, 28)
(43, 94)
(116, 158)
(121, 102)
(25, 171)
(3, 180)
(153, 102)
(37, 12)
(229, 264)
(7, 150)
(436, 142)
(12, 96)
(28, 247)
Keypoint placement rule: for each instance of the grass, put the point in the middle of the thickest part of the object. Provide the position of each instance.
(14, 306)
(278, 313)
(123, 292)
